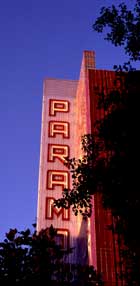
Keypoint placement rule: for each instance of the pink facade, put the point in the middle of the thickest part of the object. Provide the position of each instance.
(58, 137)
(68, 112)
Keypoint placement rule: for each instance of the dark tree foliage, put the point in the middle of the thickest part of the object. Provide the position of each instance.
(123, 27)
(109, 166)
(83, 177)
(111, 155)
(121, 191)
(29, 257)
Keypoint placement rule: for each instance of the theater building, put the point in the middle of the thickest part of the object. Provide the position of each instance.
(68, 112)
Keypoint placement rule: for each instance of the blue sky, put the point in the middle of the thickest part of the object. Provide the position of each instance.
(38, 39)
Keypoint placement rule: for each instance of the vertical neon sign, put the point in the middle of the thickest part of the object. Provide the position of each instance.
(57, 177)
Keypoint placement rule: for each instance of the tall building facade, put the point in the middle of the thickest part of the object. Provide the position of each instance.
(69, 111)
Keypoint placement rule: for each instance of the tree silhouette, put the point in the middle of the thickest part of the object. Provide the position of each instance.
(27, 257)
(123, 27)
(109, 165)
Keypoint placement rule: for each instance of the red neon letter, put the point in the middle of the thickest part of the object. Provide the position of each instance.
(58, 127)
(51, 210)
(61, 152)
(62, 237)
(57, 105)
(57, 178)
